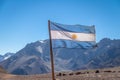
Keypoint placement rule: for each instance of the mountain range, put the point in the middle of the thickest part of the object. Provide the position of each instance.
(34, 58)
(6, 56)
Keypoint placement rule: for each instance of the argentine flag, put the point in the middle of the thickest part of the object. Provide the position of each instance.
(72, 36)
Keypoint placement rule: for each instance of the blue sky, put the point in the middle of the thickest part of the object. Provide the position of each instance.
(26, 21)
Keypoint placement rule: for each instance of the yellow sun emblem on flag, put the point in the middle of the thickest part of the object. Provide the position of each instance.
(74, 36)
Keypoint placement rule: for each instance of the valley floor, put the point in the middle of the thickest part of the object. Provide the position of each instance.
(101, 74)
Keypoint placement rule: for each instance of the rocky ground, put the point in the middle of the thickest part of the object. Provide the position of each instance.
(99, 74)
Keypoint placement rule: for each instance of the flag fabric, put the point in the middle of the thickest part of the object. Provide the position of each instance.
(72, 36)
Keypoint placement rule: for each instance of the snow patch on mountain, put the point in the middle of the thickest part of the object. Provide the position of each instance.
(41, 41)
(39, 48)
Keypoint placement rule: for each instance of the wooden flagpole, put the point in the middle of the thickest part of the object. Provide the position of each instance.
(51, 52)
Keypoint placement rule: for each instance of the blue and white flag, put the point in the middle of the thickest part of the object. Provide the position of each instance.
(72, 36)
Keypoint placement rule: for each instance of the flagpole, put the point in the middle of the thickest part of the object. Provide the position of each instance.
(51, 52)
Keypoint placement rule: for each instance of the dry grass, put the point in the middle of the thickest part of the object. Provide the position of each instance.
(2, 70)
(101, 74)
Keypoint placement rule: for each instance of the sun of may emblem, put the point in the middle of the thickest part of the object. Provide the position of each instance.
(74, 36)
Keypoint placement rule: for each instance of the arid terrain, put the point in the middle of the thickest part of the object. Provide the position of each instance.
(98, 74)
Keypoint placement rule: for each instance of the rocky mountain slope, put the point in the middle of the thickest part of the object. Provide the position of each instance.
(108, 54)
(29, 60)
(5, 56)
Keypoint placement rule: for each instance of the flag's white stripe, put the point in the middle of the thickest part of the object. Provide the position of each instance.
(68, 36)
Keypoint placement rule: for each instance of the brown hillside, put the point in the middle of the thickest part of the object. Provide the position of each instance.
(2, 70)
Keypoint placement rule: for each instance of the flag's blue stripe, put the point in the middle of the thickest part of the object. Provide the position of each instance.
(72, 28)
(58, 43)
